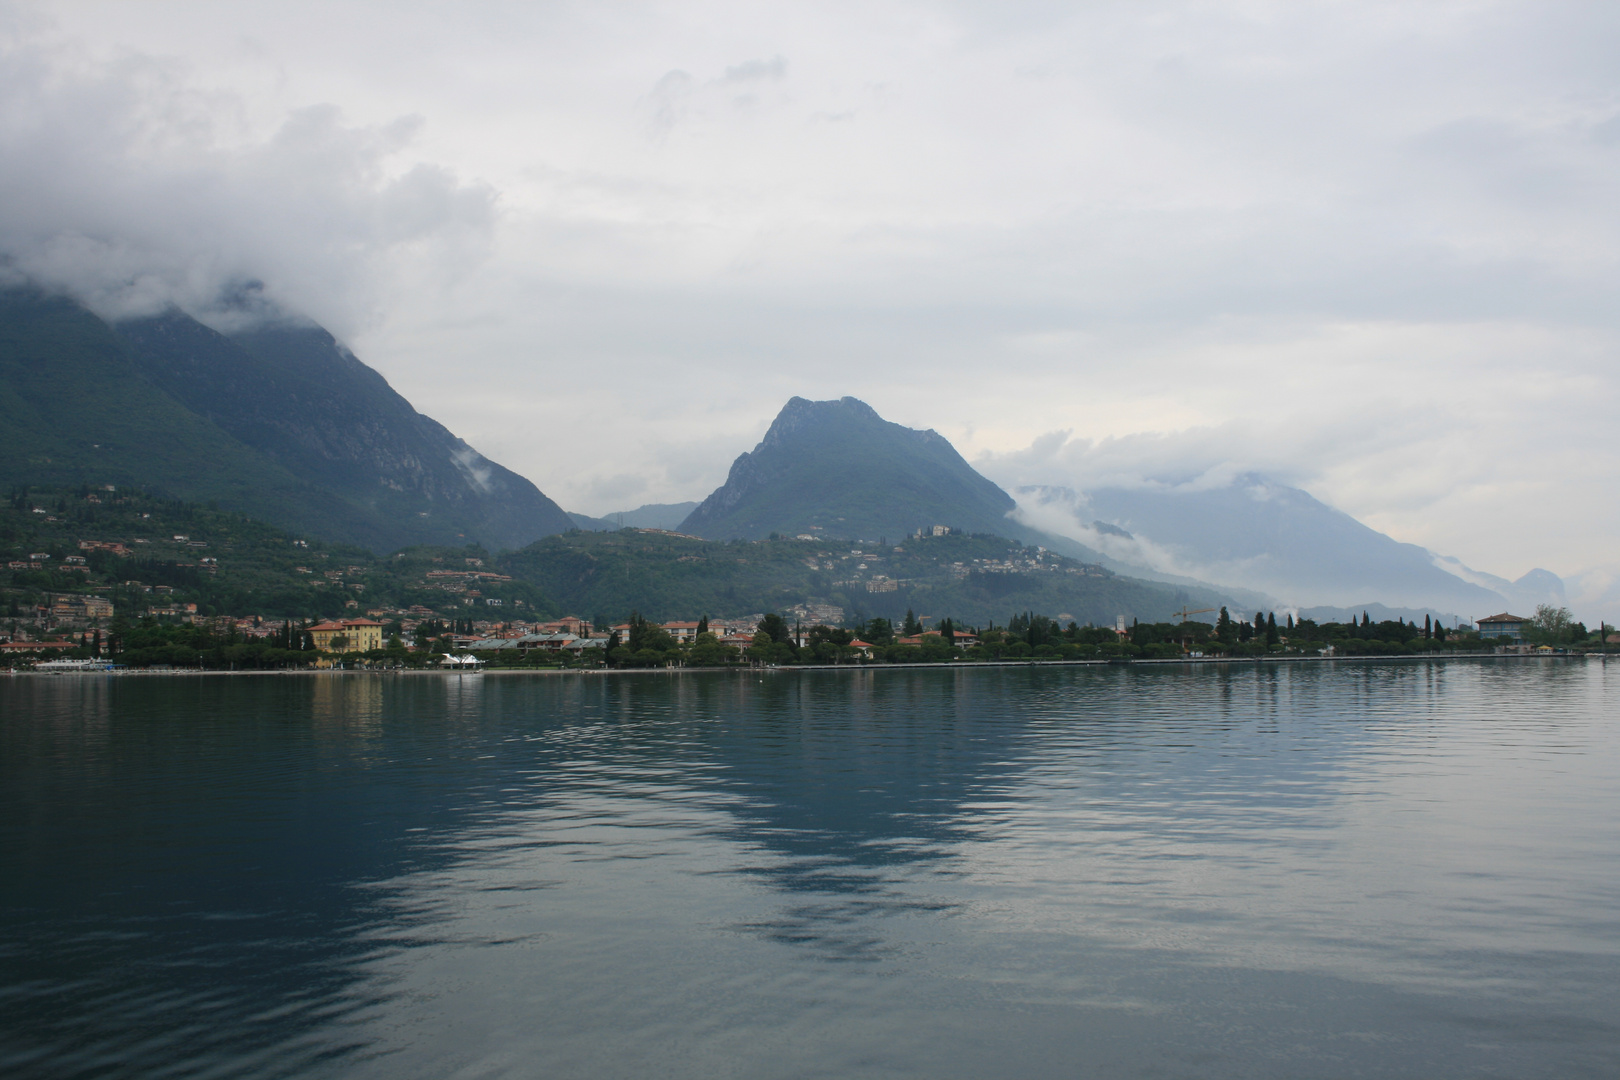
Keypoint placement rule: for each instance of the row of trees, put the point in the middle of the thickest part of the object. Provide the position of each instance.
(1028, 635)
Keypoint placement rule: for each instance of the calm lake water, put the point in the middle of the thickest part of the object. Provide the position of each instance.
(1356, 870)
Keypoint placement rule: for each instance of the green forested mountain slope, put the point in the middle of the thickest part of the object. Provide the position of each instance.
(283, 424)
(75, 410)
(228, 564)
(356, 434)
(975, 578)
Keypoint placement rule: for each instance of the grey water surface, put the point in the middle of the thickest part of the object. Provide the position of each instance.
(1345, 870)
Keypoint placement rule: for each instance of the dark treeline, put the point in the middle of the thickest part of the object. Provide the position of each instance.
(1032, 636)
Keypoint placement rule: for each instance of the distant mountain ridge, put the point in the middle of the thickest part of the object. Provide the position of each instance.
(280, 422)
(646, 516)
(1258, 534)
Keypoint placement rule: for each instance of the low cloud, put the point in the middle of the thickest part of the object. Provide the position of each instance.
(130, 188)
(757, 70)
(1197, 459)
(679, 95)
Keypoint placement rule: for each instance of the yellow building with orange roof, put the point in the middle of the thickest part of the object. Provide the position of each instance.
(351, 635)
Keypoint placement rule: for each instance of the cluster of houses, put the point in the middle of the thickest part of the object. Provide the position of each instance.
(574, 636)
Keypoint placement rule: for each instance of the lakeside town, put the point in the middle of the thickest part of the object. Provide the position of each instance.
(96, 637)
(102, 579)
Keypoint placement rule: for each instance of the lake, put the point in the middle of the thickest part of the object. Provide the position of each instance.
(1314, 870)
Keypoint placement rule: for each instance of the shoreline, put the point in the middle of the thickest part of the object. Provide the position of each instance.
(969, 665)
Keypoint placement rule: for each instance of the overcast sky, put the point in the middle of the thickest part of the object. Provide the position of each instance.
(1369, 249)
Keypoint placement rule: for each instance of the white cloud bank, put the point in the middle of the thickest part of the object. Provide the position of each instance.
(1369, 249)
(124, 183)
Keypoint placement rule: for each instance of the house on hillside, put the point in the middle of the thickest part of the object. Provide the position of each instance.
(1504, 626)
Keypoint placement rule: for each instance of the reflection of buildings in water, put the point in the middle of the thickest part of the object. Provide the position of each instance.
(352, 701)
(463, 694)
(76, 706)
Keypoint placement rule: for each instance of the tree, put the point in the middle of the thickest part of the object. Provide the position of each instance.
(702, 626)
(912, 626)
(775, 627)
(1551, 623)
(646, 635)
(1272, 636)
(707, 651)
(879, 632)
(1224, 629)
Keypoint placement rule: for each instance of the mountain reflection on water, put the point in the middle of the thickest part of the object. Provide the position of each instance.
(1357, 869)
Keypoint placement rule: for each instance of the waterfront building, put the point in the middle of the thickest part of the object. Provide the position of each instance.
(359, 635)
(1504, 626)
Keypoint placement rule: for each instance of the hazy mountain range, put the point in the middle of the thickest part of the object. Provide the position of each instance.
(281, 422)
(1257, 534)
(646, 516)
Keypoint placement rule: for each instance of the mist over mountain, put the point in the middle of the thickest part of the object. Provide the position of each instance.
(838, 469)
(277, 420)
(1258, 534)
